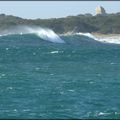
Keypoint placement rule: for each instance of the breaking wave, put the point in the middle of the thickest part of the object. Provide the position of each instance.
(112, 40)
(49, 35)
(46, 34)
(87, 34)
(43, 33)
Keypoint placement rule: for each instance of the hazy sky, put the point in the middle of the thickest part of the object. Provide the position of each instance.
(55, 9)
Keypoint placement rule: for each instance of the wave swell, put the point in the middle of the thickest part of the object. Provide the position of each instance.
(50, 35)
(43, 33)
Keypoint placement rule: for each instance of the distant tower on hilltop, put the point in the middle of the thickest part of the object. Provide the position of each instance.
(100, 11)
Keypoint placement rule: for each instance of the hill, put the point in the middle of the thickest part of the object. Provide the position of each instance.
(108, 24)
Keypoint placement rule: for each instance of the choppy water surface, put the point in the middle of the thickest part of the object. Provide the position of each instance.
(79, 78)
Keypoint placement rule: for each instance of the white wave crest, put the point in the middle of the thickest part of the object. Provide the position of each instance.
(44, 33)
(87, 34)
(113, 40)
(54, 52)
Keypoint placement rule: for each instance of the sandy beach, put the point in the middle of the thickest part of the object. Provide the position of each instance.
(99, 35)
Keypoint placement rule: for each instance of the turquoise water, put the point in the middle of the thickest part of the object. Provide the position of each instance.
(40, 79)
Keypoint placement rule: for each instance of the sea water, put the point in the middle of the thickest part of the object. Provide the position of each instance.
(73, 77)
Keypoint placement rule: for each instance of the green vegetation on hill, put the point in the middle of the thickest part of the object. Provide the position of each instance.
(80, 23)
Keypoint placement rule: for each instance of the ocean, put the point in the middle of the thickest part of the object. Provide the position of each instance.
(50, 77)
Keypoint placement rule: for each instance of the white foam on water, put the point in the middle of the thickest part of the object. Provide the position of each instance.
(51, 74)
(71, 90)
(113, 40)
(103, 113)
(87, 34)
(53, 52)
(26, 110)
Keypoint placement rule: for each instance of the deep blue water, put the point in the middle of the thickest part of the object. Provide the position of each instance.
(40, 79)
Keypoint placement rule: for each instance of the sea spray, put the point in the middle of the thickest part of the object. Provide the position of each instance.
(43, 33)
(46, 34)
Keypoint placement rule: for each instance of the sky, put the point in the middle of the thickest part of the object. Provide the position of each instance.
(55, 9)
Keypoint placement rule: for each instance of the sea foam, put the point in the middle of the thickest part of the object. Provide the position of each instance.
(112, 40)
